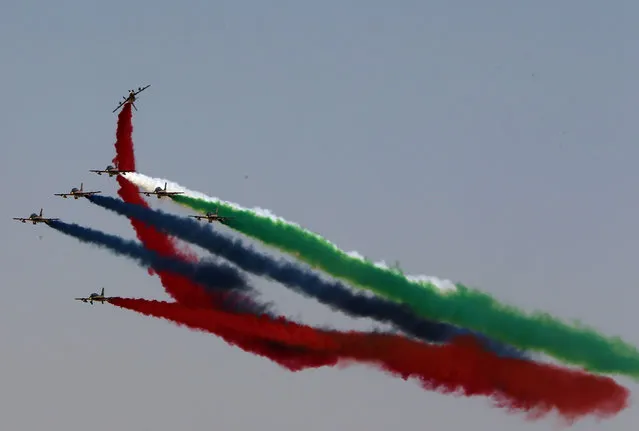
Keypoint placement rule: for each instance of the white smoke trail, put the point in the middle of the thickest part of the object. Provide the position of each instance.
(150, 184)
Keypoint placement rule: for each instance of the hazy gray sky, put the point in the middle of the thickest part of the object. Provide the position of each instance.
(489, 142)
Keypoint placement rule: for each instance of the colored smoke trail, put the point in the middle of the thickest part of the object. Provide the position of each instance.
(218, 277)
(464, 307)
(180, 288)
(293, 275)
(460, 366)
(124, 156)
(270, 233)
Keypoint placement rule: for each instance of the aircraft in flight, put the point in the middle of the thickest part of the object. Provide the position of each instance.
(94, 297)
(131, 98)
(77, 193)
(110, 170)
(211, 217)
(35, 218)
(159, 192)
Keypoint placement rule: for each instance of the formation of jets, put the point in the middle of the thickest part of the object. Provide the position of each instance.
(77, 193)
(131, 97)
(159, 192)
(35, 218)
(211, 217)
(94, 297)
(112, 171)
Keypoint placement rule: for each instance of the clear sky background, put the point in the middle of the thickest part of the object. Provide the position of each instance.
(492, 143)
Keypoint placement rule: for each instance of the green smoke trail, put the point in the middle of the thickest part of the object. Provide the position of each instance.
(465, 307)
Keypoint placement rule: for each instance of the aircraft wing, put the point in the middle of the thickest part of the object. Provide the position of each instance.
(111, 172)
(90, 193)
(62, 194)
(47, 220)
(163, 193)
(199, 217)
(20, 219)
(141, 89)
(120, 105)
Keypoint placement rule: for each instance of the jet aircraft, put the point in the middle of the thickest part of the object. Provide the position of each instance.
(211, 217)
(131, 98)
(35, 218)
(110, 170)
(94, 297)
(77, 193)
(159, 192)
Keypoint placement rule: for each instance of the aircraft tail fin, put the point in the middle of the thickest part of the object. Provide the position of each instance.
(165, 184)
(102, 293)
(81, 186)
(41, 209)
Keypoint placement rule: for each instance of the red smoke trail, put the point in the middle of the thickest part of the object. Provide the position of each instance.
(460, 366)
(180, 288)
(523, 385)
(124, 157)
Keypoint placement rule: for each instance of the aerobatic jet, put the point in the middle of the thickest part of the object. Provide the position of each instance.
(94, 297)
(212, 216)
(160, 192)
(77, 193)
(35, 218)
(110, 170)
(131, 97)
